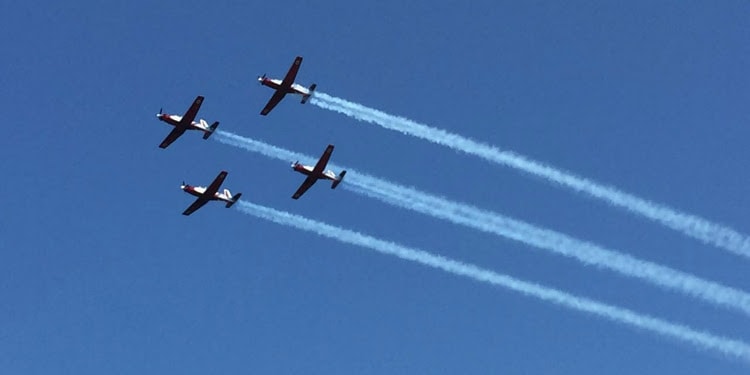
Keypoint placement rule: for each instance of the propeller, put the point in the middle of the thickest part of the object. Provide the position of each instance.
(160, 110)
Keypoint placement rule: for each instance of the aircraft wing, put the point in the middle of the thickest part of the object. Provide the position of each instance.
(309, 181)
(323, 161)
(192, 111)
(214, 187)
(196, 205)
(172, 136)
(292, 73)
(275, 99)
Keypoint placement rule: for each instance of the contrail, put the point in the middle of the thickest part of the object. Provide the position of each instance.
(688, 224)
(517, 230)
(701, 340)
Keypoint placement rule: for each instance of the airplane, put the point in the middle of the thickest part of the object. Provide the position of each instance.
(315, 173)
(186, 122)
(286, 86)
(211, 193)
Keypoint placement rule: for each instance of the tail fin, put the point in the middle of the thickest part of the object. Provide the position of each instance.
(234, 200)
(210, 130)
(309, 93)
(338, 180)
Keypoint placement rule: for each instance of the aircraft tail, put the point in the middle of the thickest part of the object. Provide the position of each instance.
(234, 200)
(309, 93)
(210, 130)
(338, 180)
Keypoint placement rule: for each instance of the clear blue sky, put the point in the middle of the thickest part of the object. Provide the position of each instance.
(99, 272)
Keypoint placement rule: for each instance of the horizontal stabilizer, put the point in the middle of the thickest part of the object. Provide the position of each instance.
(338, 180)
(234, 200)
(309, 93)
(211, 129)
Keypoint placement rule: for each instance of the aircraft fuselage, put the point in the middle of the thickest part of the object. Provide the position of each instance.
(175, 120)
(199, 191)
(308, 170)
(276, 85)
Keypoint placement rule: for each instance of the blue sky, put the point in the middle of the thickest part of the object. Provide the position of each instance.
(101, 273)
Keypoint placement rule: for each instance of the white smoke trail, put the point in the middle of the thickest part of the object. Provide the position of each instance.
(259, 147)
(494, 223)
(702, 340)
(559, 243)
(688, 224)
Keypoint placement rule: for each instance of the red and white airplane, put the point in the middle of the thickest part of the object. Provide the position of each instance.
(316, 173)
(210, 193)
(186, 122)
(285, 86)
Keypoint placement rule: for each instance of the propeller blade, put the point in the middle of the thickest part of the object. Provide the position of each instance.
(160, 110)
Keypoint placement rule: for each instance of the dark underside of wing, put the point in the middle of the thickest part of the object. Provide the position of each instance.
(215, 184)
(323, 161)
(275, 99)
(309, 181)
(189, 116)
(291, 75)
(196, 205)
(172, 136)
